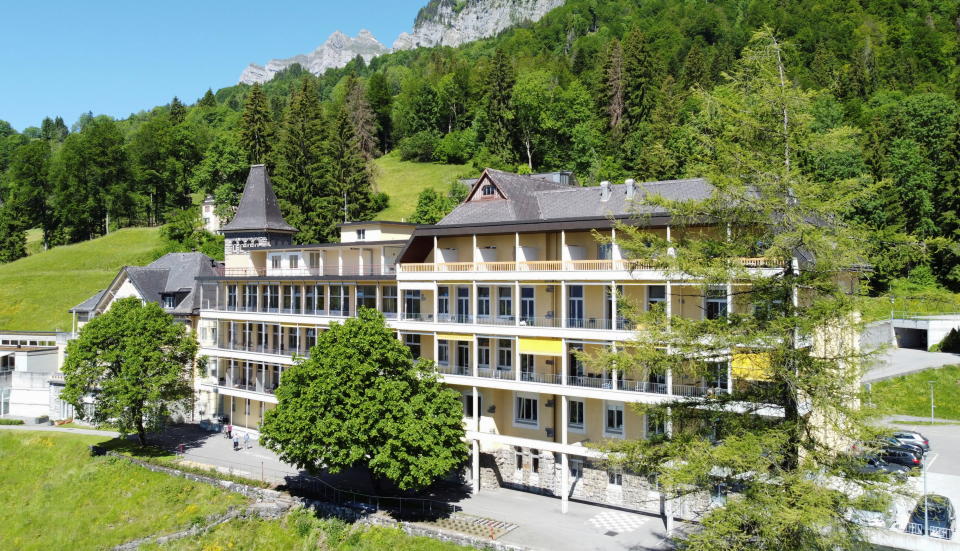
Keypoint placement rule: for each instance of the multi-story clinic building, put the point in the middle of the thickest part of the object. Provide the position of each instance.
(501, 294)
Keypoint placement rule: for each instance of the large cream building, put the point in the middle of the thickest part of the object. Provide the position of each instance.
(502, 294)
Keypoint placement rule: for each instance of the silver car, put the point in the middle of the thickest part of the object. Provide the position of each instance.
(912, 437)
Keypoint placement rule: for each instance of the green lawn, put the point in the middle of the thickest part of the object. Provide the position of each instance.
(34, 241)
(300, 531)
(910, 394)
(37, 291)
(58, 497)
(404, 180)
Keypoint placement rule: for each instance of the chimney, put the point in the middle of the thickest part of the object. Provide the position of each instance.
(604, 191)
(631, 188)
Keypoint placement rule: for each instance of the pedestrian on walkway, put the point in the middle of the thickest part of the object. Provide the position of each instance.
(229, 430)
(236, 443)
(246, 440)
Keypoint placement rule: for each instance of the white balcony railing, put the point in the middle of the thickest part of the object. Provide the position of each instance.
(551, 266)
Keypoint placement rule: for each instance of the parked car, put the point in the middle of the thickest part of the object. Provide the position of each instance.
(901, 456)
(912, 437)
(891, 442)
(942, 517)
(874, 464)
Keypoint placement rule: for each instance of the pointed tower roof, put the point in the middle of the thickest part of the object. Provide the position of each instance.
(258, 208)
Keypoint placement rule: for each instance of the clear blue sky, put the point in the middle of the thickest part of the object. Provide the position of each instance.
(66, 57)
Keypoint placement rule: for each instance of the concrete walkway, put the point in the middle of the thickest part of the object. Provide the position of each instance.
(894, 362)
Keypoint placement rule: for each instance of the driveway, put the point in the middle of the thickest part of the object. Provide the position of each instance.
(894, 362)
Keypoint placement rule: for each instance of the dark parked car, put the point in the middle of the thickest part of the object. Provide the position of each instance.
(873, 464)
(913, 438)
(942, 518)
(901, 456)
(891, 442)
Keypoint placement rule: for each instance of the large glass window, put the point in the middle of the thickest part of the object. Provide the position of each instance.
(528, 367)
(463, 357)
(575, 306)
(311, 338)
(716, 303)
(294, 261)
(483, 302)
(231, 297)
(575, 414)
(576, 364)
(525, 411)
(296, 306)
(463, 304)
(504, 354)
(250, 298)
(505, 302)
(443, 352)
(314, 261)
(411, 304)
(367, 296)
(605, 251)
(483, 352)
(287, 303)
(527, 304)
(614, 422)
(718, 374)
(271, 298)
(443, 303)
(656, 295)
(321, 299)
(413, 343)
(275, 262)
(339, 300)
(310, 299)
(390, 301)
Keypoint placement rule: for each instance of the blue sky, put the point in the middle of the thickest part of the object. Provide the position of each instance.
(118, 57)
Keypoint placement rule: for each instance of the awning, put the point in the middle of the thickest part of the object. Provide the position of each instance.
(454, 337)
(751, 366)
(5, 353)
(416, 286)
(540, 347)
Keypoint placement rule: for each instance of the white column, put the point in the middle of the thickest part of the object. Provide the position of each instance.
(473, 250)
(476, 409)
(613, 305)
(383, 261)
(564, 360)
(473, 300)
(729, 298)
(516, 358)
(563, 304)
(613, 372)
(436, 349)
(379, 299)
(476, 466)
(564, 460)
(474, 366)
(564, 253)
(340, 261)
(516, 303)
(615, 253)
(516, 247)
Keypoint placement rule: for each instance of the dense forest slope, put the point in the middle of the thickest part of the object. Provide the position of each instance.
(604, 88)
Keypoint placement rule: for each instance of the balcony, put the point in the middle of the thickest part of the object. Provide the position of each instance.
(551, 266)
(524, 321)
(249, 386)
(316, 271)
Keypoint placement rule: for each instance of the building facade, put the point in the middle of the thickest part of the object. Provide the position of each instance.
(504, 295)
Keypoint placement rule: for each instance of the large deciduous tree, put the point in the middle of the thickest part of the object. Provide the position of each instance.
(359, 400)
(777, 433)
(135, 362)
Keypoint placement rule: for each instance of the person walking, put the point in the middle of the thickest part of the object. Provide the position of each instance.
(236, 443)
(229, 430)
(246, 440)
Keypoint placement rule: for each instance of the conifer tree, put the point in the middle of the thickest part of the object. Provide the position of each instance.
(499, 86)
(31, 190)
(13, 237)
(362, 118)
(380, 100)
(613, 86)
(208, 100)
(178, 111)
(347, 177)
(256, 126)
(642, 73)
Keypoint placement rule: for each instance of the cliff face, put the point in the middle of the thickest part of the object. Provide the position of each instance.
(454, 22)
(335, 52)
(439, 23)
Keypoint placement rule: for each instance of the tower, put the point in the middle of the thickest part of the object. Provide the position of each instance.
(258, 222)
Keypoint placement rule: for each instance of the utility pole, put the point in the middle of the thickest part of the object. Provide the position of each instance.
(932, 406)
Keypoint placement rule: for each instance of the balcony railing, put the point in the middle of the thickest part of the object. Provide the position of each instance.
(351, 270)
(551, 266)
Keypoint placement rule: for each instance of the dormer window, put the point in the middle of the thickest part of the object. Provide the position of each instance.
(169, 301)
(361, 235)
(488, 190)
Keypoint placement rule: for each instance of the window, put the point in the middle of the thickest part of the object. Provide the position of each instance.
(315, 260)
(287, 301)
(275, 262)
(468, 404)
(231, 297)
(614, 478)
(311, 338)
(527, 305)
(293, 339)
(528, 368)
(411, 305)
(525, 412)
(390, 301)
(488, 190)
(605, 251)
(483, 353)
(463, 304)
(294, 261)
(297, 299)
(716, 303)
(463, 357)
(655, 425)
(614, 423)
(505, 302)
(611, 304)
(718, 374)
(367, 296)
(443, 303)
(575, 306)
(250, 297)
(310, 299)
(169, 301)
(504, 354)
(575, 414)
(443, 352)
(271, 298)
(576, 364)
(339, 300)
(413, 343)
(576, 469)
(483, 302)
(361, 234)
(275, 338)
(656, 295)
(535, 461)
(518, 458)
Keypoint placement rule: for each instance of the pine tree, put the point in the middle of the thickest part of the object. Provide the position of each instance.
(298, 176)
(256, 126)
(380, 100)
(347, 177)
(13, 237)
(208, 100)
(642, 73)
(499, 86)
(177, 111)
(696, 66)
(613, 86)
(362, 118)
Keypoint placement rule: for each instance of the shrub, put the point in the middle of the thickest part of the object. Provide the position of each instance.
(950, 343)
(418, 147)
(11, 422)
(456, 147)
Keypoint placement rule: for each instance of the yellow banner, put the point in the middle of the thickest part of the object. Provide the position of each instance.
(454, 337)
(751, 366)
(541, 347)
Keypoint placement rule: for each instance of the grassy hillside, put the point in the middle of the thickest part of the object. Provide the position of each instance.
(37, 291)
(910, 394)
(34, 241)
(404, 180)
(59, 497)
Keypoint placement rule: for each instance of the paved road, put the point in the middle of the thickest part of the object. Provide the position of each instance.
(901, 361)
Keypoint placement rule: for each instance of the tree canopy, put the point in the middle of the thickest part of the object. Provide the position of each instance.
(359, 400)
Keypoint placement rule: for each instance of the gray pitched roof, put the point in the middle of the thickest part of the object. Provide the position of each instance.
(258, 208)
(88, 304)
(532, 198)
